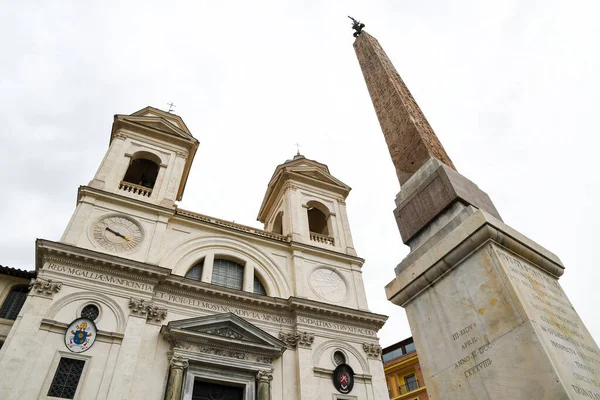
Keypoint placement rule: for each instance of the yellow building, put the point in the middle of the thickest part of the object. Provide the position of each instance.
(403, 372)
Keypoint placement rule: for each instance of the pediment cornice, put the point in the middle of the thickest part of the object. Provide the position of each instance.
(222, 331)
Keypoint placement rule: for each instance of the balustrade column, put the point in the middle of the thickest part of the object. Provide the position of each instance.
(175, 384)
(263, 382)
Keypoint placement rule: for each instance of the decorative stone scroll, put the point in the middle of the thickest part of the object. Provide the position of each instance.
(147, 309)
(372, 350)
(44, 287)
(295, 339)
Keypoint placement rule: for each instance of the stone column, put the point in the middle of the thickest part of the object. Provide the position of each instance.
(248, 284)
(207, 268)
(263, 384)
(175, 385)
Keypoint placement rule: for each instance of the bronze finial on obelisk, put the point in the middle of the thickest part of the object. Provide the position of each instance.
(409, 137)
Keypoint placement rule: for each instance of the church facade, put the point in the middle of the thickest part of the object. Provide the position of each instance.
(140, 299)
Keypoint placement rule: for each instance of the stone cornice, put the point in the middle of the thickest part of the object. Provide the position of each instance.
(123, 200)
(231, 225)
(313, 308)
(472, 233)
(61, 327)
(319, 250)
(73, 255)
(293, 305)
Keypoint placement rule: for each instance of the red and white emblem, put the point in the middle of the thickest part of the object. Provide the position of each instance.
(343, 378)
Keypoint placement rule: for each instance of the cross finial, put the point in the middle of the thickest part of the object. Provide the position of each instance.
(171, 106)
(298, 149)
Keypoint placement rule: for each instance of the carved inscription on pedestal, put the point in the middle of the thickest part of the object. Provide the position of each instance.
(566, 339)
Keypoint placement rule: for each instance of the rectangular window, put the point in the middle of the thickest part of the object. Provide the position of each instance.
(14, 302)
(411, 383)
(66, 379)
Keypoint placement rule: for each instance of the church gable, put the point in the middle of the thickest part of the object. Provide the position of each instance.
(222, 329)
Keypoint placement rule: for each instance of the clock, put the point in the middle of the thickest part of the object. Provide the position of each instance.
(117, 233)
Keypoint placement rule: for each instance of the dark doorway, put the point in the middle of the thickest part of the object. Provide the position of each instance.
(214, 391)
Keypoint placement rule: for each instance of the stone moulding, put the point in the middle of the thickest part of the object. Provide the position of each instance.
(44, 287)
(147, 309)
(474, 232)
(372, 350)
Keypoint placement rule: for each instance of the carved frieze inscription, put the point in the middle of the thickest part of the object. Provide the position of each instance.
(567, 341)
(100, 277)
(257, 315)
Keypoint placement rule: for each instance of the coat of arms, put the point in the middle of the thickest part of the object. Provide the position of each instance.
(80, 335)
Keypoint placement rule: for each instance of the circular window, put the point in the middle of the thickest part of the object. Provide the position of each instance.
(90, 312)
(339, 358)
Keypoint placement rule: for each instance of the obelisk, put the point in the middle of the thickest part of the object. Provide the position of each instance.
(487, 313)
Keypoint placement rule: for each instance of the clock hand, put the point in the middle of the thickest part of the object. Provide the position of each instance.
(117, 234)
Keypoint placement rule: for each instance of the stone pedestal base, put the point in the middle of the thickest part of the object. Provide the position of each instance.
(490, 320)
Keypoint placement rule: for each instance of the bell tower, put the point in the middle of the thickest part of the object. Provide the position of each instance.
(149, 158)
(305, 202)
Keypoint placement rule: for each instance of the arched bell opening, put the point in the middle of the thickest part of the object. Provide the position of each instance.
(318, 216)
(143, 170)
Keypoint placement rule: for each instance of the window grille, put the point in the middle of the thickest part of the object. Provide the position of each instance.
(14, 302)
(228, 273)
(339, 358)
(195, 272)
(258, 287)
(90, 312)
(66, 379)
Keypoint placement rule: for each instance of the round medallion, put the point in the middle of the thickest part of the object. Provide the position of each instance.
(81, 335)
(343, 378)
(328, 284)
(117, 233)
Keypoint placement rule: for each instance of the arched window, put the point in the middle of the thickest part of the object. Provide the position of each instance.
(317, 218)
(228, 273)
(143, 170)
(14, 302)
(258, 287)
(278, 223)
(339, 358)
(195, 272)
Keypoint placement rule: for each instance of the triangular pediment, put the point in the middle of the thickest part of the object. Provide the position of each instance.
(300, 170)
(223, 329)
(159, 120)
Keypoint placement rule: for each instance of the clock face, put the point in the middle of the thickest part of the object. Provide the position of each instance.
(117, 233)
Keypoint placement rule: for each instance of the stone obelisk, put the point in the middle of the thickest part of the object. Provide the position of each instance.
(488, 315)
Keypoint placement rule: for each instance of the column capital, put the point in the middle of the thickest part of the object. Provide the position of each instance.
(264, 376)
(178, 362)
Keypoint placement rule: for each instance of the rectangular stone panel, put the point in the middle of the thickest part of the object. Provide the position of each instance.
(496, 327)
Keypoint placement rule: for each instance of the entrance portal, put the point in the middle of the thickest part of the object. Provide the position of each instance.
(214, 391)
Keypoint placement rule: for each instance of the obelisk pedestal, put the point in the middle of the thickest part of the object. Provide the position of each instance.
(488, 316)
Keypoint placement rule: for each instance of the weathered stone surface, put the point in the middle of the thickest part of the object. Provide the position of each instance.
(410, 139)
(431, 190)
(490, 320)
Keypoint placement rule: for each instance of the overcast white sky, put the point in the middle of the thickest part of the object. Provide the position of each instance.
(510, 87)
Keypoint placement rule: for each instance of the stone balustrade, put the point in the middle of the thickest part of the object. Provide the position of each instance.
(135, 189)
(316, 237)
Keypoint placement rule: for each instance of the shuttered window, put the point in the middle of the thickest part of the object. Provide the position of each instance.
(14, 301)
